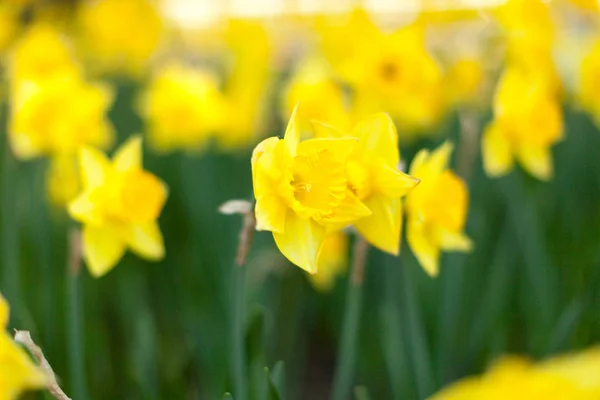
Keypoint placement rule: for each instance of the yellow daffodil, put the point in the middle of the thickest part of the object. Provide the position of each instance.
(17, 372)
(58, 116)
(302, 191)
(321, 96)
(527, 21)
(118, 207)
(374, 178)
(120, 35)
(589, 82)
(527, 123)
(42, 53)
(183, 108)
(565, 377)
(587, 5)
(62, 179)
(9, 24)
(333, 261)
(463, 81)
(436, 209)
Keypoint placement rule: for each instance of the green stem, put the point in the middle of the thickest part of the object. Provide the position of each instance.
(74, 328)
(237, 348)
(344, 372)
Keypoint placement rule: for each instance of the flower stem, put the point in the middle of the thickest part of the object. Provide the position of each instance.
(237, 348)
(74, 328)
(344, 373)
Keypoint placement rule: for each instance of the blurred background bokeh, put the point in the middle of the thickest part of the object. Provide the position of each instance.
(514, 84)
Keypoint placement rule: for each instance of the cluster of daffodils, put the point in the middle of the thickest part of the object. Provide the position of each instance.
(527, 111)
(17, 372)
(565, 377)
(308, 190)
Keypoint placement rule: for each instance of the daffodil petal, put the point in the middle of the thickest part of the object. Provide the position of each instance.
(537, 161)
(418, 161)
(103, 247)
(270, 212)
(94, 167)
(4, 313)
(146, 240)
(301, 241)
(382, 228)
(340, 147)
(129, 155)
(322, 130)
(378, 136)
(455, 241)
(292, 133)
(84, 210)
(349, 210)
(497, 155)
(440, 157)
(391, 182)
(426, 252)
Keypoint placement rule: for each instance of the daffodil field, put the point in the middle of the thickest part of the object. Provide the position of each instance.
(290, 199)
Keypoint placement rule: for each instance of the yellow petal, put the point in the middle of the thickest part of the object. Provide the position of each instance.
(301, 241)
(4, 313)
(129, 155)
(83, 209)
(391, 182)
(382, 228)
(146, 240)
(103, 247)
(426, 252)
(378, 136)
(455, 241)
(349, 210)
(440, 157)
(292, 133)
(270, 212)
(497, 155)
(322, 130)
(537, 161)
(94, 167)
(340, 147)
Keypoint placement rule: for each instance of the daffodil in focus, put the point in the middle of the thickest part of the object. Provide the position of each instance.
(527, 123)
(118, 207)
(58, 116)
(589, 82)
(436, 209)
(302, 191)
(322, 98)
(183, 108)
(333, 261)
(565, 377)
(40, 54)
(120, 35)
(374, 177)
(17, 372)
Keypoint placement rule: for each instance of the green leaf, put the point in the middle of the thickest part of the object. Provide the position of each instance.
(361, 393)
(278, 377)
(227, 396)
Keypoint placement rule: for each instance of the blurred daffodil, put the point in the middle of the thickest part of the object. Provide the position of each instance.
(118, 207)
(436, 209)
(374, 177)
(9, 23)
(302, 191)
(321, 96)
(333, 261)
(62, 179)
(589, 83)
(120, 35)
(42, 53)
(564, 377)
(58, 116)
(527, 123)
(526, 21)
(463, 81)
(183, 108)
(17, 372)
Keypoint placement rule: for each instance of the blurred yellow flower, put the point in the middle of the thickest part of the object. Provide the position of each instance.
(527, 21)
(120, 35)
(333, 261)
(58, 116)
(566, 377)
(17, 372)
(527, 123)
(589, 82)
(42, 53)
(118, 207)
(436, 209)
(374, 177)
(183, 108)
(62, 179)
(302, 191)
(9, 24)
(463, 81)
(320, 96)
(247, 84)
